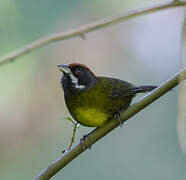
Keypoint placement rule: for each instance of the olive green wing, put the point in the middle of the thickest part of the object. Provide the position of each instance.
(116, 88)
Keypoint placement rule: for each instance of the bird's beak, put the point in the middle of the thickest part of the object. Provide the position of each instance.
(64, 68)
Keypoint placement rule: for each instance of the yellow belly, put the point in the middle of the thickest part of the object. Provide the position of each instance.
(91, 117)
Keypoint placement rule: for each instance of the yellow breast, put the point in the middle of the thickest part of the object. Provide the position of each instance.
(91, 117)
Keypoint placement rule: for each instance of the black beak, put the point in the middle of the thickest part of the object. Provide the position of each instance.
(64, 68)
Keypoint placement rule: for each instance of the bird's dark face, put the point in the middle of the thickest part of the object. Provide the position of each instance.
(76, 78)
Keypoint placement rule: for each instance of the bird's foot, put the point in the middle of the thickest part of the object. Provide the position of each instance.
(82, 141)
(118, 118)
(86, 137)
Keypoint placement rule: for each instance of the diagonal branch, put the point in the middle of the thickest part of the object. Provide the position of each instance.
(87, 28)
(112, 124)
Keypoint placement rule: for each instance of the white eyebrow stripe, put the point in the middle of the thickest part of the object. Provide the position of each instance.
(75, 82)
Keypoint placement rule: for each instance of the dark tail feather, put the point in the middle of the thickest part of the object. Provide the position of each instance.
(143, 89)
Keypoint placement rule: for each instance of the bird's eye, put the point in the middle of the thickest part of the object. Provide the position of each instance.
(77, 72)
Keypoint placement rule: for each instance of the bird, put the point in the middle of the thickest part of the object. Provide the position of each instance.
(93, 100)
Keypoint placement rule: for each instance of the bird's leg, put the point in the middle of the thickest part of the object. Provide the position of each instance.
(85, 137)
(117, 116)
(82, 141)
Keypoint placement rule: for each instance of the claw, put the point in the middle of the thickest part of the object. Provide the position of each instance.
(82, 141)
(118, 118)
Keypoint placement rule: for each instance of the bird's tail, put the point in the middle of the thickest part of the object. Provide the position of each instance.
(143, 89)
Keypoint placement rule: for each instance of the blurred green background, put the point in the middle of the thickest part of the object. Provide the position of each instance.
(33, 130)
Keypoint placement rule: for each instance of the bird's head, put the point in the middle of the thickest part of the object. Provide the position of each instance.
(76, 77)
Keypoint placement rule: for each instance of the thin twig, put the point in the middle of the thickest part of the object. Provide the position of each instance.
(75, 126)
(112, 124)
(86, 28)
(72, 139)
(73, 136)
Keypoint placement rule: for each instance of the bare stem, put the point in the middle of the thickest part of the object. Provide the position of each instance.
(73, 136)
(86, 28)
(112, 124)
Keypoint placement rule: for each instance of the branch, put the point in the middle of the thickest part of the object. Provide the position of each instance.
(98, 133)
(85, 29)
